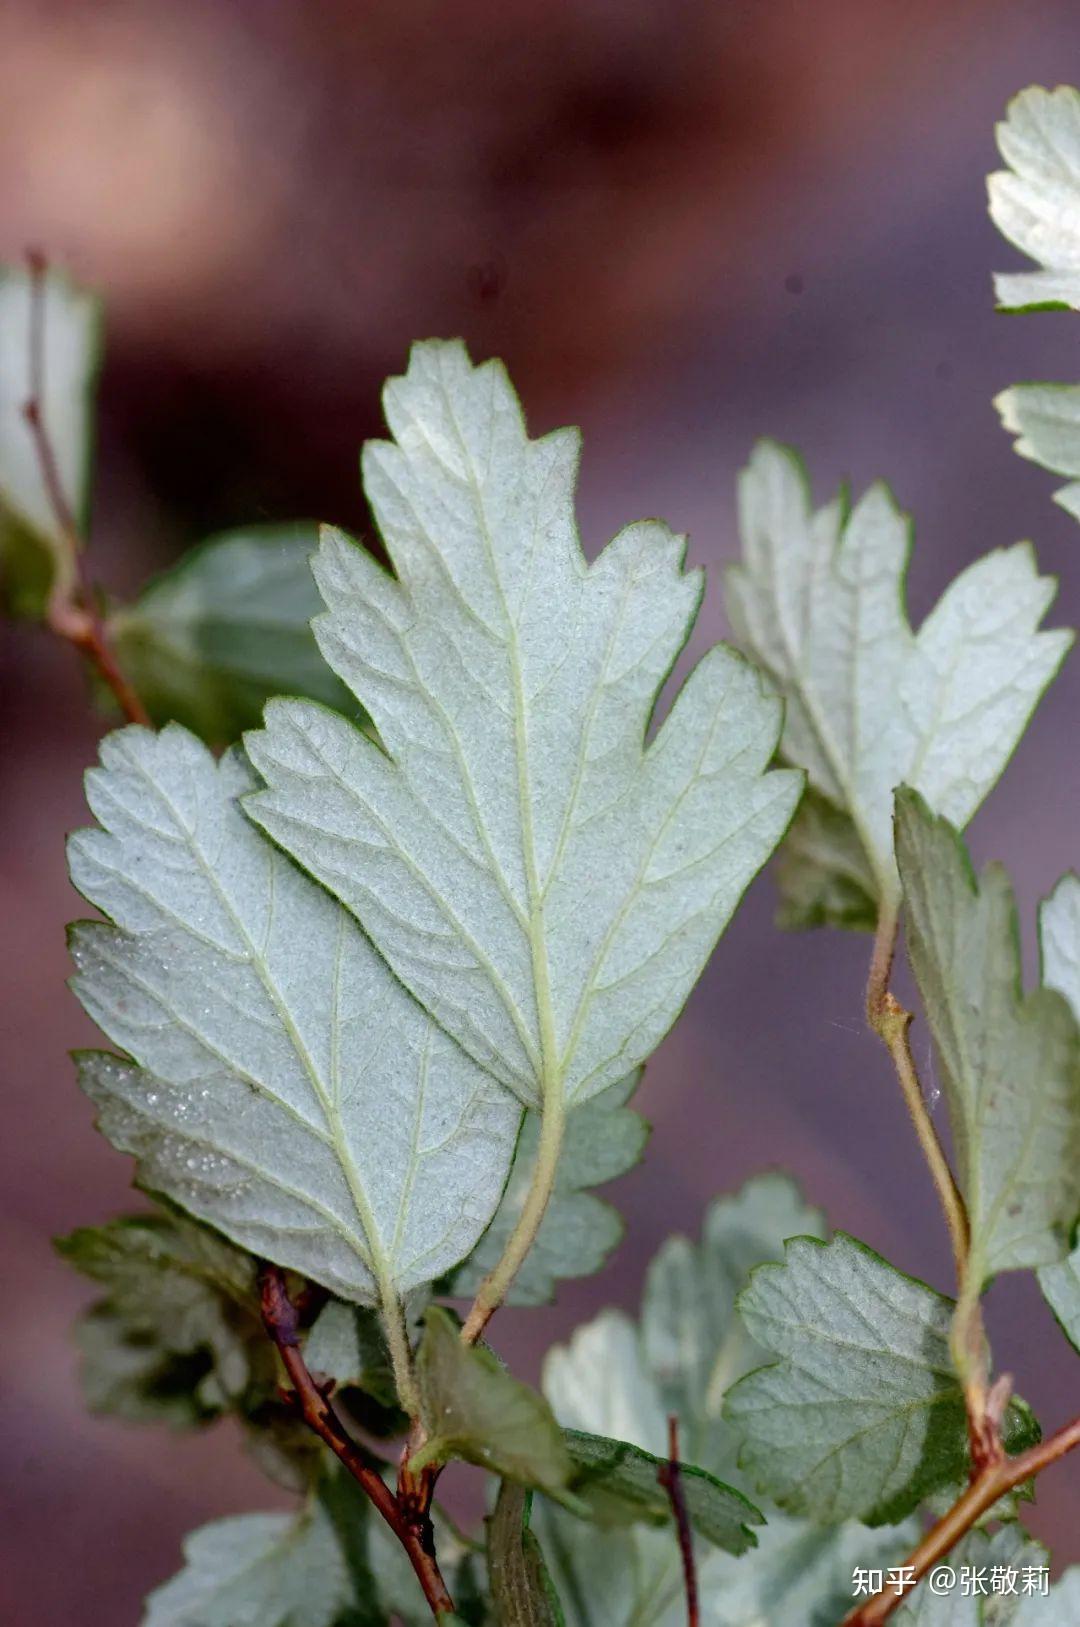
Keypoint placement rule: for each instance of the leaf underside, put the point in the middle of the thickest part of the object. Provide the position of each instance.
(1035, 203)
(547, 885)
(284, 1087)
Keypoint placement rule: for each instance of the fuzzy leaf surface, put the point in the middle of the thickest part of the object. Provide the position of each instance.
(1009, 1062)
(980, 1554)
(1035, 203)
(207, 643)
(33, 551)
(604, 1139)
(1045, 418)
(547, 884)
(284, 1086)
(818, 600)
(862, 1415)
(474, 1409)
(521, 1589)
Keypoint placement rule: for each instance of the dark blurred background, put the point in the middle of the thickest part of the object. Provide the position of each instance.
(683, 223)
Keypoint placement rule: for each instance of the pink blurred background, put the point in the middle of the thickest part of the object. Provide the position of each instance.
(683, 224)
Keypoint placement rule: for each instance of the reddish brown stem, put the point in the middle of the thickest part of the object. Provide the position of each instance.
(412, 1528)
(72, 616)
(980, 1497)
(670, 1477)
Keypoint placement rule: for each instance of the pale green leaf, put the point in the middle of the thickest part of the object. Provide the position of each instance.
(545, 882)
(521, 1589)
(1059, 936)
(819, 602)
(474, 1409)
(1035, 203)
(599, 1383)
(287, 1090)
(978, 1584)
(208, 643)
(620, 1484)
(695, 1344)
(34, 556)
(604, 1139)
(346, 1343)
(822, 873)
(1057, 1608)
(800, 1573)
(1009, 1062)
(1046, 420)
(1061, 1288)
(862, 1415)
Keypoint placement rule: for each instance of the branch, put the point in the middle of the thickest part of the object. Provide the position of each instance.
(72, 610)
(670, 1477)
(412, 1530)
(977, 1500)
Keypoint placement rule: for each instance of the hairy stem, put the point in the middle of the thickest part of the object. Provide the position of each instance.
(493, 1289)
(993, 1482)
(892, 1024)
(397, 1343)
(72, 609)
(413, 1530)
(670, 1477)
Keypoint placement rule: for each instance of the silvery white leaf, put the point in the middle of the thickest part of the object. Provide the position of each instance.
(1053, 1609)
(285, 1087)
(546, 884)
(819, 601)
(33, 550)
(1045, 418)
(978, 1584)
(1035, 203)
(1010, 1062)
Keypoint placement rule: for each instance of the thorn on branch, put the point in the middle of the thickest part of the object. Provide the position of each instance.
(670, 1477)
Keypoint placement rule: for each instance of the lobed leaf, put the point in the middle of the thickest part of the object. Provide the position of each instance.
(474, 1409)
(818, 600)
(862, 1416)
(545, 883)
(1010, 1062)
(604, 1139)
(34, 554)
(285, 1087)
(1035, 203)
(207, 643)
(1045, 418)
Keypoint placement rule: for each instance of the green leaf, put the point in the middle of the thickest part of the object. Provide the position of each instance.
(695, 1344)
(1054, 1609)
(346, 1343)
(207, 643)
(981, 1561)
(1009, 1062)
(288, 1090)
(620, 1484)
(34, 555)
(521, 1589)
(1046, 420)
(273, 1570)
(546, 884)
(1061, 1289)
(822, 873)
(474, 1409)
(1035, 203)
(604, 1139)
(862, 1416)
(819, 601)
(177, 1334)
(800, 1573)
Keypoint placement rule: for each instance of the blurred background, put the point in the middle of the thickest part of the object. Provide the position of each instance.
(683, 224)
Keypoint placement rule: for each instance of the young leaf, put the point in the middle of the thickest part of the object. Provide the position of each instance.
(1010, 1062)
(862, 1416)
(521, 1589)
(620, 1484)
(547, 884)
(288, 1090)
(177, 1333)
(207, 643)
(1046, 420)
(604, 1139)
(1035, 203)
(474, 1409)
(695, 1344)
(346, 1344)
(822, 872)
(982, 1561)
(34, 555)
(819, 602)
